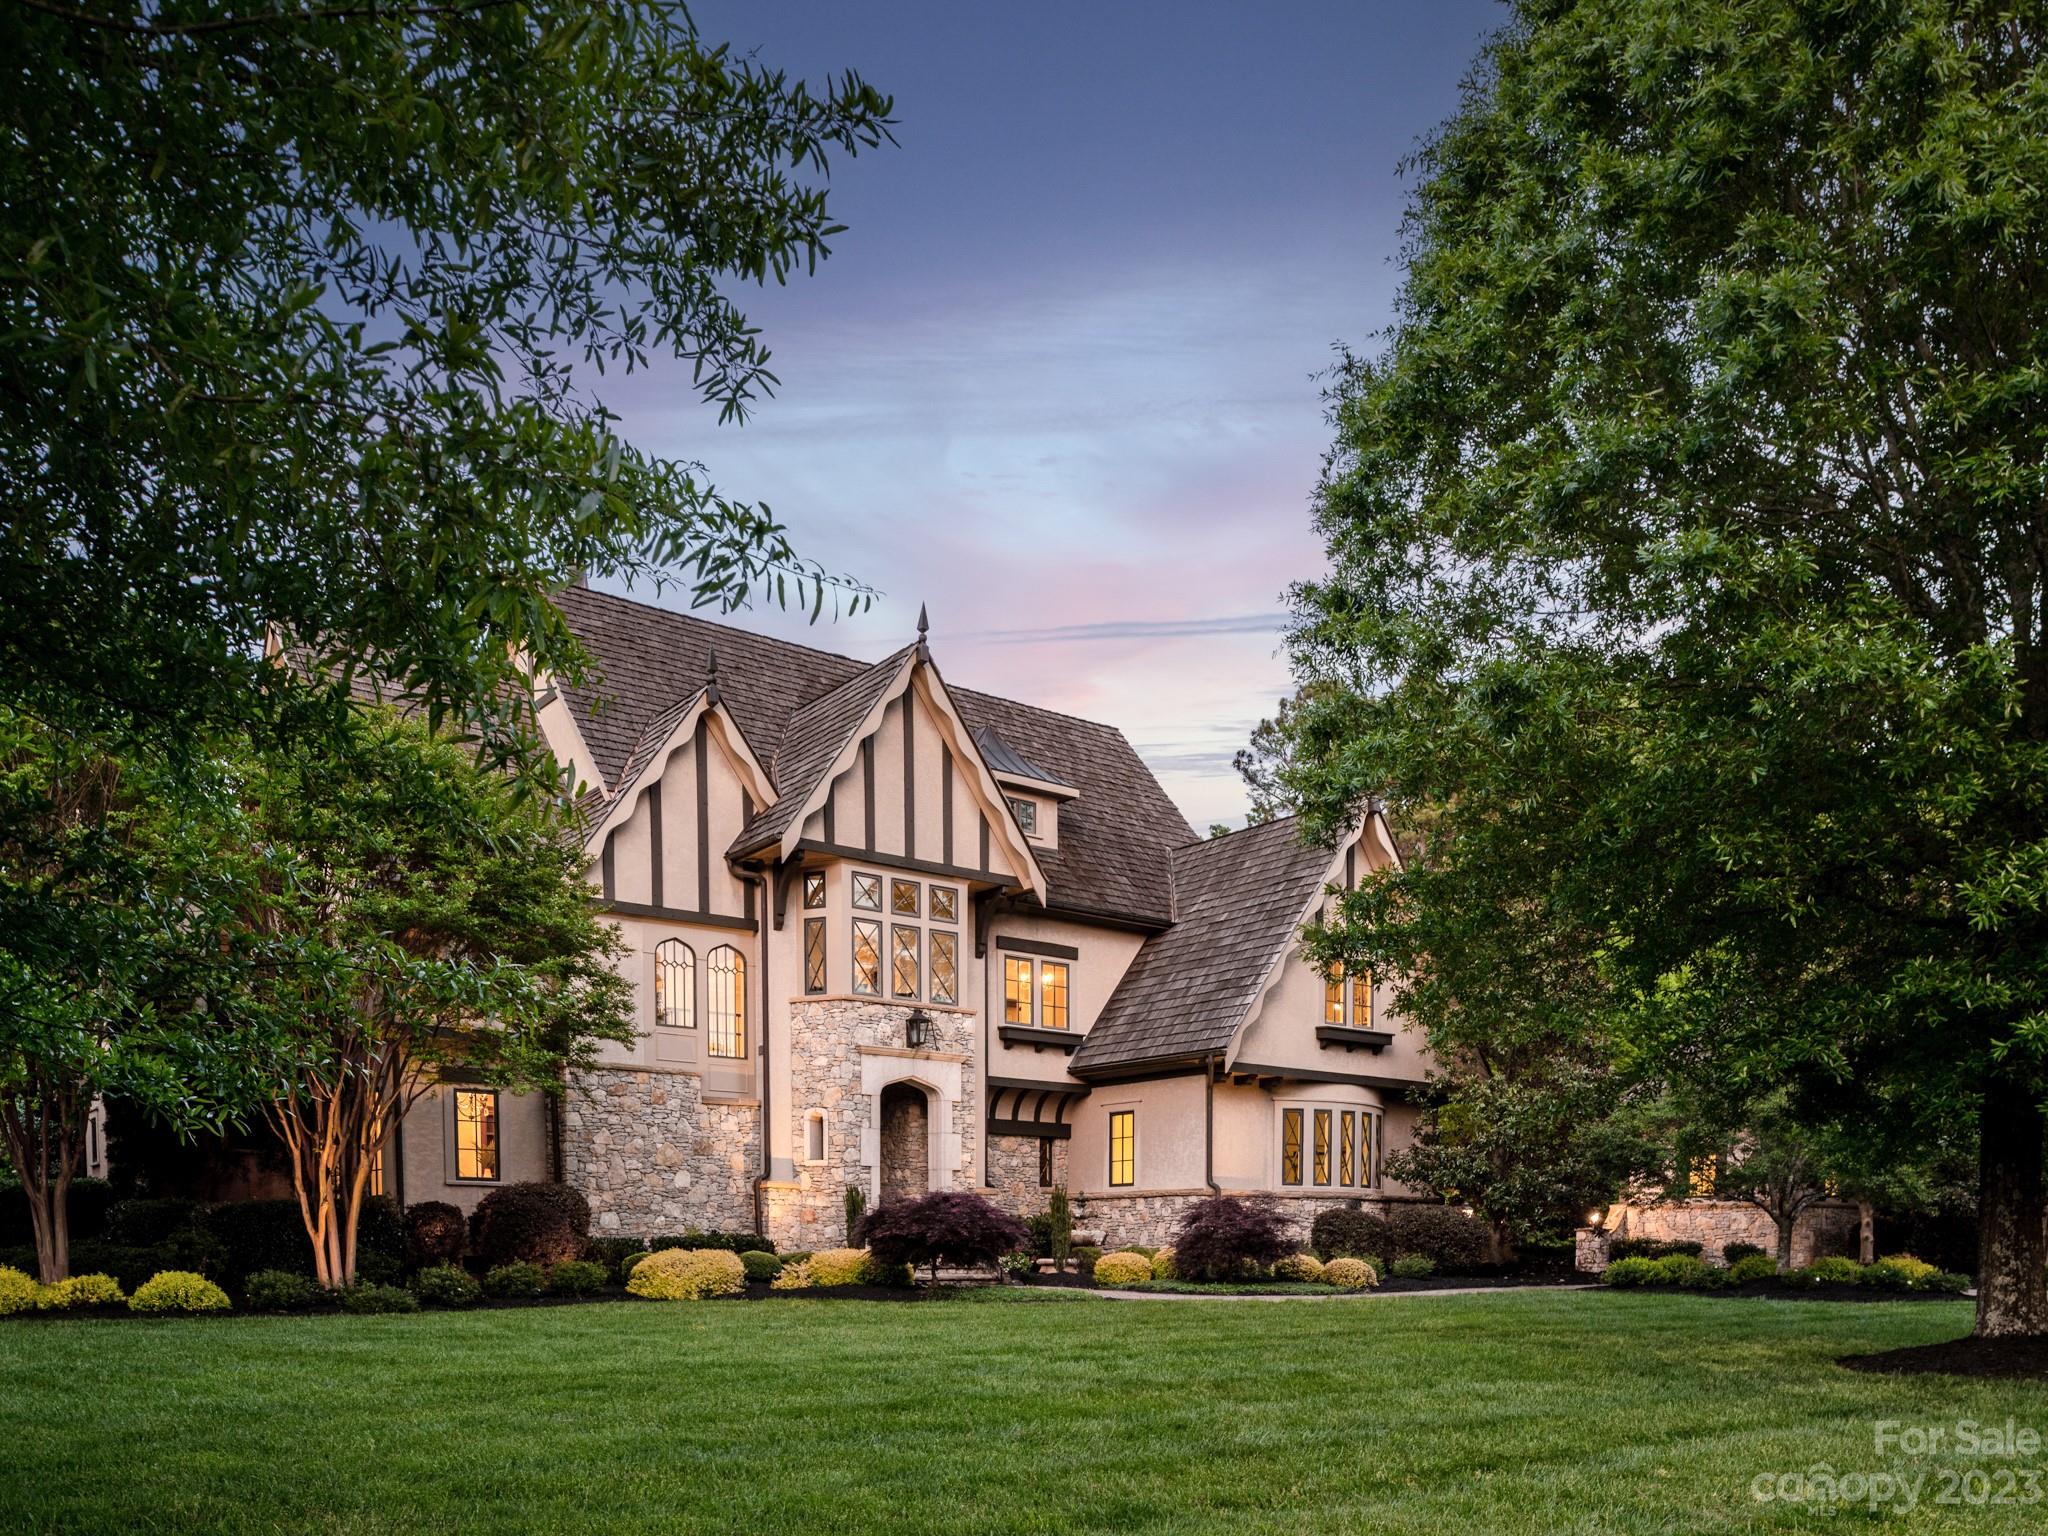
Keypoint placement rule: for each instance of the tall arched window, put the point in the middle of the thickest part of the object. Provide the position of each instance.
(727, 974)
(675, 985)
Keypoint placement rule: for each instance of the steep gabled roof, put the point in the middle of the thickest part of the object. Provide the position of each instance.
(812, 742)
(1003, 758)
(1116, 839)
(1241, 900)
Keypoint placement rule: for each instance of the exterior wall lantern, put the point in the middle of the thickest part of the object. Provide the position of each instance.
(917, 1029)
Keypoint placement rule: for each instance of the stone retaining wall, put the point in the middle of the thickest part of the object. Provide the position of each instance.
(1833, 1228)
(1149, 1218)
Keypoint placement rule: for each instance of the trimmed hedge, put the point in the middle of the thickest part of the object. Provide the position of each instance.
(1454, 1242)
(515, 1281)
(577, 1277)
(372, 1299)
(277, 1290)
(1122, 1269)
(446, 1285)
(688, 1274)
(177, 1290)
(760, 1266)
(1349, 1234)
(18, 1291)
(1350, 1274)
(529, 1223)
(1412, 1266)
(1299, 1266)
(436, 1233)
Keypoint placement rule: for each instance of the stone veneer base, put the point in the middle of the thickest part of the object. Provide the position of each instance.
(653, 1158)
(1148, 1218)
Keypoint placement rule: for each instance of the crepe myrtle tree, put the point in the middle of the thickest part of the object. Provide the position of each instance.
(305, 314)
(120, 957)
(1687, 553)
(437, 925)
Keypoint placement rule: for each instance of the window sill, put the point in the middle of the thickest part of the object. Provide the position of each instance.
(1345, 1037)
(1039, 1039)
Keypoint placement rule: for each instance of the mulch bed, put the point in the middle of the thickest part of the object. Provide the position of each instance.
(1769, 1292)
(1493, 1282)
(2000, 1359)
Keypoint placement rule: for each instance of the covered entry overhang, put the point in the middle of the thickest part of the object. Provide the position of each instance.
(1021, 1107)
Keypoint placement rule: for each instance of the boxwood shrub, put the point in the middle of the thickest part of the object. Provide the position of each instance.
(1350, 1274)
(761, 1266)
(1299, 1266)
(577, 1277)
(18, 1291)
(1412, 1266)
(1734, 1253)
(436, 1233)
(529, 1223)
(1115, 1269)
(446, 1285)
(80, 1291)
(1752, 1269)
(367, 1298)
(1347, 1234)
(177, 1290)
(688, 1274)
(516, 1281)
(278, 1290)
(1454, 1242)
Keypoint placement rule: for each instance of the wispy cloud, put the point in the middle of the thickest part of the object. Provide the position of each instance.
(1135, 629)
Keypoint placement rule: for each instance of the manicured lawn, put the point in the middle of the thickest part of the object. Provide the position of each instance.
(1522, 1412)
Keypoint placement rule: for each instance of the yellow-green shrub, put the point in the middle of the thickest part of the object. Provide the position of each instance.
(80, 1291)
(1299, 1266)
(1122, 1269)
(1162, 1265)
(1915, 1270)
(178, 1290)
(837, 1266)
(688, 1274)
(792, 1277)
(1350, 1275)
(18, 1291)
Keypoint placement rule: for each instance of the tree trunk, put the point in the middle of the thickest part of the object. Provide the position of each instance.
(44, 1153)
(1866, 1232)
(1785, 1222)
(2012, 1214)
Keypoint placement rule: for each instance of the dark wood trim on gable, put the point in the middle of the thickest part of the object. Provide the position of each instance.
(909, 778)
(984, 841)
(946, 803)
(679, 915)
(1037, 947)
(897, 861)
(607, 864)
(1399, 1085)
(697, 746)
(831, 795)
(867, 786)
(654, 858)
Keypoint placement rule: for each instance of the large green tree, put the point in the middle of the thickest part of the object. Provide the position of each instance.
(1688, 554)
(304, 311)
(429, 921)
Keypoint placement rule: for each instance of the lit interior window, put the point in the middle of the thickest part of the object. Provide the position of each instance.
(1123, 1147)
(945, 968)
(476, 1134)
(867, 892)
(814, 954)
(903, 897)
(1290, 1146)
(1016, 990)
(1052, 995)
(675, 985)
(814, 889)
(726, 971)
(903, 960)
(945, 904)
(867, 957)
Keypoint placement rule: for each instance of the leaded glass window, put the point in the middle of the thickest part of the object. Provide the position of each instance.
(1322, 1146)
(1123, 1148)
(867, 892)
(476, 1133)
(1045, 1162)
(903, 960)
(814, 890)
(814, 954)
(867, 957)
(1052, 995)
(675, 985)
(1290, 1146)
(945, 967)
(1347, 1150)
(903, 898)
(1026, 812)
(726, 973)
(1016, 990)
(945, 904)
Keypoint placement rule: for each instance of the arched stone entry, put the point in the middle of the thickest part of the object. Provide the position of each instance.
(906, 1158)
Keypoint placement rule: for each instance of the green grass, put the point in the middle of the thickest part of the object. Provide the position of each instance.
(1527, 1412)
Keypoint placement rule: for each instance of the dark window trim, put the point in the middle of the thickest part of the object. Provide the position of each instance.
(1132, 1116)
(455, 1175)
(1037, 947)
(817, 925)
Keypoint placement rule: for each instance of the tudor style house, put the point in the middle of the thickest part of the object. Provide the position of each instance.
(896, 935)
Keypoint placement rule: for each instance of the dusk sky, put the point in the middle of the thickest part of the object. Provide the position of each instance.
(1058, 380)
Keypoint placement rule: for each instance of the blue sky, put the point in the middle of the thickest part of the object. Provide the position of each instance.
(1058, 380)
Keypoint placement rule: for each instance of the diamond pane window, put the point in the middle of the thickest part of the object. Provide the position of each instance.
(1347, 1150)
(476, 1134)
(1322, 1146)
(1016, 990)
(867, 957)
(814, 954)
(903, 898)
(814, 890)
(1026, 812)
(1052, 995)
(903, 961)
(1290, 1146)
(675, 985)
(945, 904)
(1123, 1148)
(867, 892)
(1045, 1162)
(726, 974)
(945, 968)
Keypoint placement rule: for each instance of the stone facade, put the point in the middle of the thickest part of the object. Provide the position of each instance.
(653, 1157)
(1013, 1173)
(906, 1168)
(1150, 1217)
(844, 1052)
(1833, 1228)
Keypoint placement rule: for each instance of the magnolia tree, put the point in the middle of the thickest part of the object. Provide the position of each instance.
(1686, 555)
(436, 922)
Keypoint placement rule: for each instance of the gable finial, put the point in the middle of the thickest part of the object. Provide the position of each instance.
(711, 675)
(924, 624)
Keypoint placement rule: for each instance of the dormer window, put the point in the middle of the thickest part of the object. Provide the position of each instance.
(1026, 812)
(1347, 1004)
